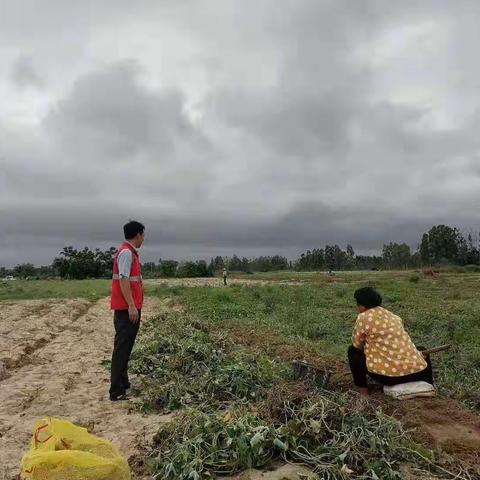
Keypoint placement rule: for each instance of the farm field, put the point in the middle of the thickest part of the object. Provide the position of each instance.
(319, 311)
(215, 393)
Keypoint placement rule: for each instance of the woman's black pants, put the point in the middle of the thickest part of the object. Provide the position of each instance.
(358, 366)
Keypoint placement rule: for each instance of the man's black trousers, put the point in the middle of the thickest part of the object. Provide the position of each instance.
(125, 334)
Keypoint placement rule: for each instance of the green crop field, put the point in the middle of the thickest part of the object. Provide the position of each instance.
(239, 404)
(195, 362)
(44, 289)
(320, 310)
(435, 312)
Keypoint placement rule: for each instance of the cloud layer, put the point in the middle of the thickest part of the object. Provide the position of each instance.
(236, 127)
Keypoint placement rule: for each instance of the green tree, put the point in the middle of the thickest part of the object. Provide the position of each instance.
(235, 264)
(168, 268)
(61, 266)
(349, 257)
(396, 255)
(366, 262)
(471, 254)
(149, 269)
(45, 271)
(105, 261)
(192, 269)
(25, 270)
(85, 263)
(311, 260)
(278, 263)
(211, 269)
(335, 258)
(425, 250)
(245, 264)
(444, 244)
(218, 263)
(202, 269)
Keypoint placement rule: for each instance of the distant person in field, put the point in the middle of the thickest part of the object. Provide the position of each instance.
(224, 276)
(126, 302)
(381, 348)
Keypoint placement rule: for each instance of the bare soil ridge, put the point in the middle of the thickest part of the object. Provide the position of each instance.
(53, 352)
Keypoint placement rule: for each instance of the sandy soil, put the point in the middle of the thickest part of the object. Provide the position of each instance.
(442, 423)
(52, 353)
(282, 472)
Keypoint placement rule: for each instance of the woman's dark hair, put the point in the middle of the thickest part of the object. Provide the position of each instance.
(368, 297)
(132, 229)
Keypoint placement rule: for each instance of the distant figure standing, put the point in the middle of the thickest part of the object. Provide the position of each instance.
(126, 302)
(224, 276)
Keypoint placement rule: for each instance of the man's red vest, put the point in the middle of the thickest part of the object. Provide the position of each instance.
(118, 302)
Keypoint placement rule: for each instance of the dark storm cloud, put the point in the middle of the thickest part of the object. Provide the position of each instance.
(24, 74)
(110, 114)
(239, 126)
(108, 131)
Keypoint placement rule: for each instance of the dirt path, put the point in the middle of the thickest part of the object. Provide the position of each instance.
(443, 424)
(216, 282)
(52, 351)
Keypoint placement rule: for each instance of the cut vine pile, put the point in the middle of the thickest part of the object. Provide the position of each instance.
(183, 366)
(238, 410)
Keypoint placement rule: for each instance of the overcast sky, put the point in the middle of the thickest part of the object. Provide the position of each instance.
(236, 126)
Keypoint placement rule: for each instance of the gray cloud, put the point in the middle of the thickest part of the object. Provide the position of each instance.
(236, 126)
(111, 114)
(25, 75)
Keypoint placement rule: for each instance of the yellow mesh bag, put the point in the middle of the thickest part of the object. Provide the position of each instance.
(62, 451)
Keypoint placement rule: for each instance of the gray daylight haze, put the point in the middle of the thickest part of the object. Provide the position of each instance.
(245, 127)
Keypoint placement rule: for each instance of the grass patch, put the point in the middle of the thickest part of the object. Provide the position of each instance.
(41, 289)
(435, 312)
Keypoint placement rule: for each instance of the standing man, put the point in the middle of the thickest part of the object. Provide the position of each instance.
(224, 276)
(126, 302)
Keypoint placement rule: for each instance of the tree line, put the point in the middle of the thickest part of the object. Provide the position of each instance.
(440, 246)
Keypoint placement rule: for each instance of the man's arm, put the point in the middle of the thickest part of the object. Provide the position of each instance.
(124, 268)
(127, 295)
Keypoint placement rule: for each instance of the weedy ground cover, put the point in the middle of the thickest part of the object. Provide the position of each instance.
(40, 289)
(233, 416)
(183, 365)
(336, 436)
(435, 312)
(36, 289)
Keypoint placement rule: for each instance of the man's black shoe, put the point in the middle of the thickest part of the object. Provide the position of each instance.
(118, 398)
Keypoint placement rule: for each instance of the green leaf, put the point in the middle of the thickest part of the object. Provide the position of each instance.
(256, 439)
(280, 445)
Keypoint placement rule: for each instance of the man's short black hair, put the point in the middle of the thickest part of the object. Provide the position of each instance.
(368, 297)
(132, 229)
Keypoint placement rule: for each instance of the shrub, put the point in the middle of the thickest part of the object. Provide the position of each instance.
(472, 268)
